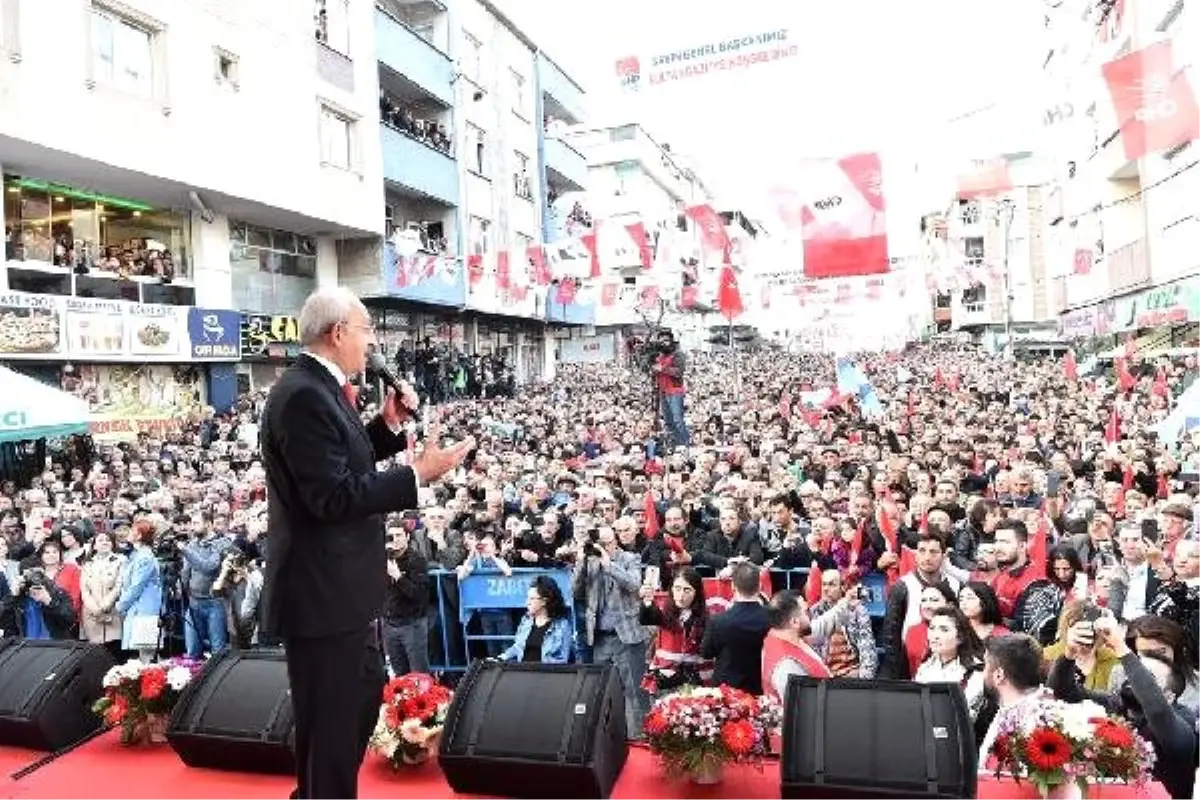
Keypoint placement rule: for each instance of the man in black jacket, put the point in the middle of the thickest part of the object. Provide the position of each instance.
(406, 610)
(326, 577)
(734, 639)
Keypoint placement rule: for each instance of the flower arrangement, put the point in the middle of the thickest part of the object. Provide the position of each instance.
(137, 695)
(696, 731)
(1059, 743)
(410, 719)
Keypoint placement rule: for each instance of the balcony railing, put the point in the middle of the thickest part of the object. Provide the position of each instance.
(404, 52)
(566, 165)
(419, 167)
(561, 90)
(1128, 266)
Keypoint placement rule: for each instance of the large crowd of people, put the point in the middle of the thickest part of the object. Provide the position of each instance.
(989, 497)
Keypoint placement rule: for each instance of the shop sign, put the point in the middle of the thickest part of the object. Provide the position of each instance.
(1172, 304)
(214, 334)
(267, 336)
(37, 327)
(1078, 324)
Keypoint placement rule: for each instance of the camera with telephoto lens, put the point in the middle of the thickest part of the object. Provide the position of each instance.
(35, 577)
(235, 556)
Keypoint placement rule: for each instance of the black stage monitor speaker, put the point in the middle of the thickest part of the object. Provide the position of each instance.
(871, 738)
(535, 730)
(47, 688)
(237, 714)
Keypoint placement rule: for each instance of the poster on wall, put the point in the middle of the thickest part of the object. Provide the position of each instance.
(126, 400)
(95, 327)
(30, 326)
(589, 350)
(156, 331)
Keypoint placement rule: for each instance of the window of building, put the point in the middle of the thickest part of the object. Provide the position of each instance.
(479, 235)
(973, 250)
(477, 146)
(337, 139)
(10, 27)
(471, 62)
(969, 213)
(332, 21)
(122, 53)
(623, 134)
(225, 68)
(273, 271)
(522, 183)
(51, 226)
(520, 95)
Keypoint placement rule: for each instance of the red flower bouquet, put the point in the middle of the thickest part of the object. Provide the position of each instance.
(1058, 744)
(410, 719)
(138, 696)
(696, 731)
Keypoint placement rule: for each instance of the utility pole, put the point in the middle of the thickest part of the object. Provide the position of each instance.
(1003, 212)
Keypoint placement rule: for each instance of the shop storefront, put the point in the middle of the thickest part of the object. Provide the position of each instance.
(143, 368)
(70, 242)
(520, 342)
(1158, 319)
(269, 343)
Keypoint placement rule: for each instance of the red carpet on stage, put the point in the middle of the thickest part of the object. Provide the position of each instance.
(103, 768)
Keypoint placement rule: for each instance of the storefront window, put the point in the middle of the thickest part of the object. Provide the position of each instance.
(273, 271)
(51, 225)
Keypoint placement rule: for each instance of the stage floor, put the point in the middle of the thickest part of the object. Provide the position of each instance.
(103, 768)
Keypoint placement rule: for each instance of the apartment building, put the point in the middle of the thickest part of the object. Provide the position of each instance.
(466, 100)
(203, 156)
(1129, 227)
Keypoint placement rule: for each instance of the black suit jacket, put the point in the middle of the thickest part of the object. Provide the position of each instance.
(326, 570)
(734, 639)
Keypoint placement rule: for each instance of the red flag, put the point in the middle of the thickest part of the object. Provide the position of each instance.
(844, 225)
(475, 268)
(566, 292)
(537, 265)
(938, 380)
(1070, 368)
(1040, 545)
(589, 241)
(650, 508)
(648, 297)
(952, 382)
(856, 545)
(985, 179)
(1085, 259)
(785, 404)
(1161, 387)
(502, 270)
(712, 228)
(812, 585)
(688, 296)
(637, 234)
(1112, 431)
(729, 299)
(1156, 109)
(608, 294)
(908, 561)
(1125, 381)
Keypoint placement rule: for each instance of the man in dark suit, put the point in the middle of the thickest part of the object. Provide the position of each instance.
(326, 574)
(734, 639)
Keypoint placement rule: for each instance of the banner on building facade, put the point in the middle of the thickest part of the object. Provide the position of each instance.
(588, 350)
(1155, 106)
(700, 59)
(38, 327)
(839, 209)
(274, 337)
(424, 278)
(127, 400)
(1176, 303)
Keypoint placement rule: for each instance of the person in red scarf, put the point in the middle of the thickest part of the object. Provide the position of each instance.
(679, 622)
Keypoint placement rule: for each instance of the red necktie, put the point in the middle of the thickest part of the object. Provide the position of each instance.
(351, 392)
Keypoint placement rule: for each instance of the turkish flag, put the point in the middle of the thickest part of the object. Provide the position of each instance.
(608, 295)
(1070, 368)
(589, 241)
(688, 296)
(1156, 108)
(475, 268)
(729, 299)
(712, 227)
(566, 292)
(1084, 260)
(537, 264)
(503, 277)
(637, 234)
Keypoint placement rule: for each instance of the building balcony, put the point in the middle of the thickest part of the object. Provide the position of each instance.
(563, 99)
(416, 169)
(566, 167)
(404, 52)
(1128, 267)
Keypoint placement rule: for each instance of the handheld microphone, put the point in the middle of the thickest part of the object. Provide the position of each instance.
(378, 364)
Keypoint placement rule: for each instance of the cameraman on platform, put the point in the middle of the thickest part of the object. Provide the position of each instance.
(668, 368)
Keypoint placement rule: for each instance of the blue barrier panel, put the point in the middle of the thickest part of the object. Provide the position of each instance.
(875, 584)
(492, 591)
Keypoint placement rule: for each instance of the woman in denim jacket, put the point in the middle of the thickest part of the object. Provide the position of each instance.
(544, 635)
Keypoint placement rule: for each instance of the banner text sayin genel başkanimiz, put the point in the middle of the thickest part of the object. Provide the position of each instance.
(727, 46)
(719, 64)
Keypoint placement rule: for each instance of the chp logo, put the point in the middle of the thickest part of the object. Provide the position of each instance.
(629, 72)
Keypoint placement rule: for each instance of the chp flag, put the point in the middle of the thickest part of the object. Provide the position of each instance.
(1155, 105)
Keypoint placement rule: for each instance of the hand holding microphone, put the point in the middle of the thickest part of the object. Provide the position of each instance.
(401, 401)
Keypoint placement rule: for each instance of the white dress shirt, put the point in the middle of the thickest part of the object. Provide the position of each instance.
(1135, 596)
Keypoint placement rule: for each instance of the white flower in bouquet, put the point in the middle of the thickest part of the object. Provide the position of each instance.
(178, 677)
(131, 670)
(112, 678)
(412, 732)
(1077, 719)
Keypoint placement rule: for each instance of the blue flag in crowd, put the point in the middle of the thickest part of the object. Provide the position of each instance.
(851, 380)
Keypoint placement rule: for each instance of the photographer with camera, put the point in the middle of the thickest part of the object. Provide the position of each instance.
(35, 608)
(204, 621)
(1148, 699)
(240, 584)
(406, 606)
(611, 578)
(668, 368)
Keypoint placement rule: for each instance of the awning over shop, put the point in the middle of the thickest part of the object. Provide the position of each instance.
(29, 409)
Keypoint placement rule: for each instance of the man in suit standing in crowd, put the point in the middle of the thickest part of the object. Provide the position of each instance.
(326, 575)
(734, 639)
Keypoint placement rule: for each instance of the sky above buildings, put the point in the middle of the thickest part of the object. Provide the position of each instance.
(867, 75)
